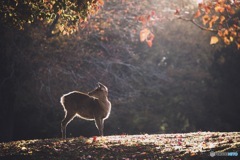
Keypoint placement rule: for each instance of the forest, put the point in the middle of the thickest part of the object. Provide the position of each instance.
(163, 73)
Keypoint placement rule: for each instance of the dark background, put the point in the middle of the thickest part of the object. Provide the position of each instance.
(181, 84)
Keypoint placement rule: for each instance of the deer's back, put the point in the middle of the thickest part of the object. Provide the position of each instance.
(79, 103)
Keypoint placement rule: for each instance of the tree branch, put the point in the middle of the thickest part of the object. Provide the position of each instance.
(52, 26)
(196, 24)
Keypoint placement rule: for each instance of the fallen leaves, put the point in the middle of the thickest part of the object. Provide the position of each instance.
(158, 146)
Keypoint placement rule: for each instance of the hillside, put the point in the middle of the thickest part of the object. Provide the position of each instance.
(197, 145)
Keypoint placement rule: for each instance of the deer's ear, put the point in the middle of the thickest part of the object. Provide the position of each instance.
(100, 84)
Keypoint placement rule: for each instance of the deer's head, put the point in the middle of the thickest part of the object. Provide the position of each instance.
(99, 92)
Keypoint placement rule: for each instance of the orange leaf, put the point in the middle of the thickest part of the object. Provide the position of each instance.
(225, 33)
(144, 34)
(238, 45)
(150, 39)
(205, 19)
(220, 33)
(234, 33)
(226, 41)
(222, 18)
(232, 11)
(229, 9)
(213, 20)
(207, 9)
(197, 14)
(101, 2)
(60, 12)
(219, 8)
(149, 43)
(142, 19)
(214, 40)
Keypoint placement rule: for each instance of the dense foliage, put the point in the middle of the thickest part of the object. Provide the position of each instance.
(67, 17)
(61, 16)
(219, 16)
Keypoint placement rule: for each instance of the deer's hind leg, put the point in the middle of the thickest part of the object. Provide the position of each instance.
(68, 118)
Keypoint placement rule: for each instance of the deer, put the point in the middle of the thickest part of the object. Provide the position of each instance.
(93, 106)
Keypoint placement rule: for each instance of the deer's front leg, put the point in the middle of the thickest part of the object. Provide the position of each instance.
(99, 124)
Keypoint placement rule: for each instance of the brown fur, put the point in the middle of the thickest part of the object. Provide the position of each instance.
(92, 106)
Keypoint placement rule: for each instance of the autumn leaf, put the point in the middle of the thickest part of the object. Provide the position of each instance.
(222, 18)
(230, 9)
(150, 39)
(238, 45)
(226, 41)
(225, 33)
(207, 9)
(149, 43)
(197, 14)
(219, 8)
(142, 19)
(144, 34)
(213, 20)
(94, 138)
(214, 40)
(205, 19)
(60, 12)
(101, 2)
(220, 33)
